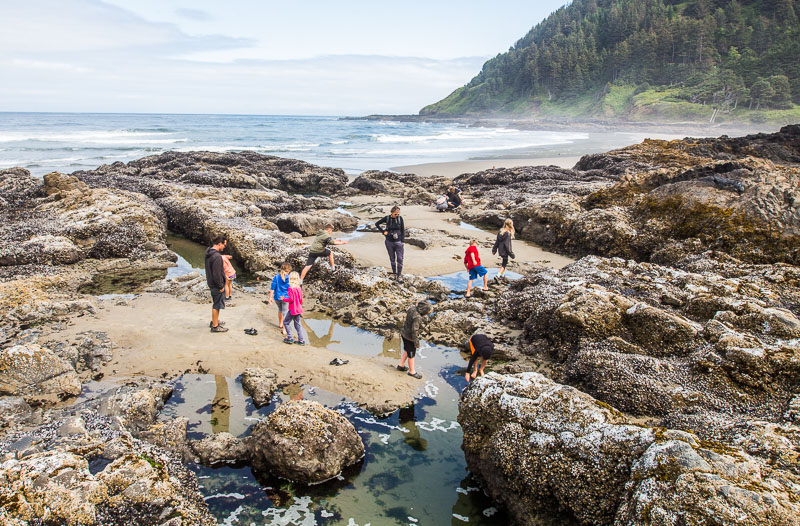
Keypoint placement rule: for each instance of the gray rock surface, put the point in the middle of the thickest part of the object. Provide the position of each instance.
(53, 482)
(538, 445)
(260, 383)
(304, 442)
(222, 448)
(33, 372)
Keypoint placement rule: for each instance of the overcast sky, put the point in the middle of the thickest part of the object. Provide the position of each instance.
(318, 57)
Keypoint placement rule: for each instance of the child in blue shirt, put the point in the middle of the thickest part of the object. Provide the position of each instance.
(280, 293)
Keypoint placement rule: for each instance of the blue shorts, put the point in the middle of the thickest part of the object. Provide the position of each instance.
(474, 272)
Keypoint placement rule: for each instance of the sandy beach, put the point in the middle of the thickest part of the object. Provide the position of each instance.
(450, 239)
(157, 335)
(456, 168)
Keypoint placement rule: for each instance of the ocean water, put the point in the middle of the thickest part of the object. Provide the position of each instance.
(66, 142)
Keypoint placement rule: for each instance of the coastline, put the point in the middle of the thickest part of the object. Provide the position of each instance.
(456, 168)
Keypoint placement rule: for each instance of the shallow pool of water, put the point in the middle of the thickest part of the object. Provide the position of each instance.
(192, 257)
(457, 281)
(413, 472)
(121, 282)
(325, 332)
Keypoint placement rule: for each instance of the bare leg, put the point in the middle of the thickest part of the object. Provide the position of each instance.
(485, 282)
(411, 369)
(403, 359)
(214, 317)
(280, 323)
(469, 287)
(330, 259)
(228, 288)
(304, 272)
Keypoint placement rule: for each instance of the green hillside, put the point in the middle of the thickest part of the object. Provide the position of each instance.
(646, 60)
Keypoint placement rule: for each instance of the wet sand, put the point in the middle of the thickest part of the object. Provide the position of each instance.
(451, 238)
(454, 169)
(156, 334)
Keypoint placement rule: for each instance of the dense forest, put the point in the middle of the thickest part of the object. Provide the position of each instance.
(612, 57)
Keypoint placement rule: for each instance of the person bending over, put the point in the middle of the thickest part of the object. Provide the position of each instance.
(481, 349)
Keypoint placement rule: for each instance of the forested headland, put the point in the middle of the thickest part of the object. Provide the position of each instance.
(712, 60)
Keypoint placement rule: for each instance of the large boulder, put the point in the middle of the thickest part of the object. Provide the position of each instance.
(539, 446)
(302, 441)
(17, 185)
(32, 371)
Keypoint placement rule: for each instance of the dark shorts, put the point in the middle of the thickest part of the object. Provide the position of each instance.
(409, 347)
(313, 257)
(504, 263)
(218, 298)
(474, 272)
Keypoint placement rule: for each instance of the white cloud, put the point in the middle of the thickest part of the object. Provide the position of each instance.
(104, 58)
(194, 14)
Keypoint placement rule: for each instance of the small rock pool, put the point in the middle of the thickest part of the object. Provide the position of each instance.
(413, 472)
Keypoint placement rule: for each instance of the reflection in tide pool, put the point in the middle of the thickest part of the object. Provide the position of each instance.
(325, 332)
(413, 472)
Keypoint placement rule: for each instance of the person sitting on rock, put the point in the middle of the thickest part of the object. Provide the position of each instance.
(473, 263)
(453, 197)
(480, 347)
(215, 277)
(318, 249)
(410, 336)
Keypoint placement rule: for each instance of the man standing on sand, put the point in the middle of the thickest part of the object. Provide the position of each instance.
(395, 234)
(215, 277)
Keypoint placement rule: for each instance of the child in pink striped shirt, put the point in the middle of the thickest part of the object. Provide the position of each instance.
(295, 310)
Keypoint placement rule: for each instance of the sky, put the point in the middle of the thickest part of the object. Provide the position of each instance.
(310, 57)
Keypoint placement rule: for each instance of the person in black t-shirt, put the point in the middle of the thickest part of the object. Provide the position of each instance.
(395, 234)
(453, 197)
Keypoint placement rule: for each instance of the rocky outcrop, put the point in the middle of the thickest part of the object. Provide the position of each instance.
(658, 341)
(17, 185)
(311, 224)
(304, 442)
(408, 188)
(734, 195)
(75, 222)
(248, 170)
(136, 410)
(222, 448)
(530, 439)
(83, 471)
(245, 197)
(260, 383)
(35, 372)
